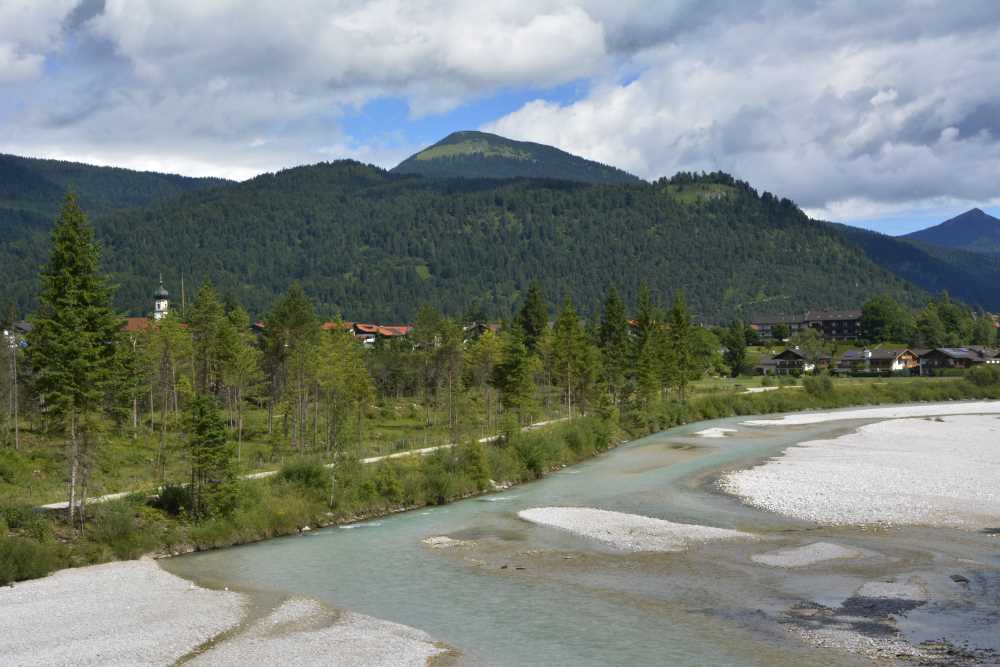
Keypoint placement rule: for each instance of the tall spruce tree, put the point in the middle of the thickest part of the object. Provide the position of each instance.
(210, 333)
(72, 345)
(513, 376)
(214, 485)
(533, 318)
(291, 337)
(682, 360)
(735, 342)
(615, 344)
(571, 365)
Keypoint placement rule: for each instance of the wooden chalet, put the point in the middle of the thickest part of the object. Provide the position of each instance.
(793, 360)
(833, 324)
(945, 358)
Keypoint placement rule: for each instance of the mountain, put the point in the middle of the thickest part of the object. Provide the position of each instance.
(968, 276)
(482, 155)
(32, 190)
(374, 245)
(974, 230)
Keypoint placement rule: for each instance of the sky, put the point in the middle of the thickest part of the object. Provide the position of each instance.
(884, 115)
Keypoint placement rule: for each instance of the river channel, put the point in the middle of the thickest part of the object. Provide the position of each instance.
(515, 593)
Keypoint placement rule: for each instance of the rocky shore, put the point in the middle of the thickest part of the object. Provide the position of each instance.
(134, 613)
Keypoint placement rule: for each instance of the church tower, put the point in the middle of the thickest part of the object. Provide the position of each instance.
(161, 302)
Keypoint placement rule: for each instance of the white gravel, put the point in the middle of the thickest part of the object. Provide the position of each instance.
(940, 472)
(130, 613)
(304, 632)
(443, 542)
(818, 552)
(627, 532)
(896, 412)
(892, 590)
(715, 432)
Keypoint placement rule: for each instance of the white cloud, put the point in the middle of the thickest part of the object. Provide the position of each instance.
(846, 108)
(28, 30)
(845, 116)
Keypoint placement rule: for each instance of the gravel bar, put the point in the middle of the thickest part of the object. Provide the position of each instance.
(129, 613)
(305, 632)
(895, 412)
(627, 532)
(933, 472)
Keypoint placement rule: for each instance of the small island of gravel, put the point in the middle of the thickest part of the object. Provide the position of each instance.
(627, 532)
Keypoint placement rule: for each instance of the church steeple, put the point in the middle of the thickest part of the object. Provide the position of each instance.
(161, 301)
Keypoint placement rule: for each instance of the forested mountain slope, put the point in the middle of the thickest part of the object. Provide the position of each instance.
(32, 190)
(975, 230)
(968, 276)
(370, 244)
(483, 155)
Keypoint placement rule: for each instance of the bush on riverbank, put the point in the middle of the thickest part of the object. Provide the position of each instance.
(816, 396)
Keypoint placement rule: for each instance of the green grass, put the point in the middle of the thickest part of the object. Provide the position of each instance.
(130, 461)
(473, 147)
(698, 192)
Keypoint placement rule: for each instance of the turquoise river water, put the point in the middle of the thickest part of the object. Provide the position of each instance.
(520, 594)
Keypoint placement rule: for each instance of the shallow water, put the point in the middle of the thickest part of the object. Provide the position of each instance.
(527, 595)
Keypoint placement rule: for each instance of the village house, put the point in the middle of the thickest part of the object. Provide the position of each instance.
(368, 334)
(793, 361)
(945, 358)
(894, 361)
(766, 365)
(833, 324)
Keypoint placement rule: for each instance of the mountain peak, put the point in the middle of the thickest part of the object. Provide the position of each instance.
(973, 230)
(475, 154)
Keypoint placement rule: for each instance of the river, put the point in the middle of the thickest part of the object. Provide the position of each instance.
(520, 594)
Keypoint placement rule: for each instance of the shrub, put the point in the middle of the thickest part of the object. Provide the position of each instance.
(307, 475)
(25, 519)
(984, 376)
(818, 385)
(22, 559)
(115, 525)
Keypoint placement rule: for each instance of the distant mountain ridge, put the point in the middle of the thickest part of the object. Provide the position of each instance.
(968, 276)
(975, 230)
(372, 244)
(471, 154)
(32, 190)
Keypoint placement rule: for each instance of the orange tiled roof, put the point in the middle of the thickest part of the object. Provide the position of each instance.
(133, 324)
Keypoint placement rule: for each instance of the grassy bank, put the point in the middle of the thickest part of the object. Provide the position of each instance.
(305, 493)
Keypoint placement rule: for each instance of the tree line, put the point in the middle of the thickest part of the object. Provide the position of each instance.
(196, 373)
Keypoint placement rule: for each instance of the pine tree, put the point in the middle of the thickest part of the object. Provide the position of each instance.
(72, 345)
(615, 345)
(291, 335)
(346, 387)
(735, 342)
(533, 318)
(241, 372)
(214, 485)
(513, 376)
(210, 333)
(682, 362)
(570, 360)
(645, 316)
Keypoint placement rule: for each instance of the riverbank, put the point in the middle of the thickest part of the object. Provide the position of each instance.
(304, 616)
(300, 495)
(135, 613)
(934, 471)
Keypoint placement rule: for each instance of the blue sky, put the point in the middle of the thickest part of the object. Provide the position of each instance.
(874, 115)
